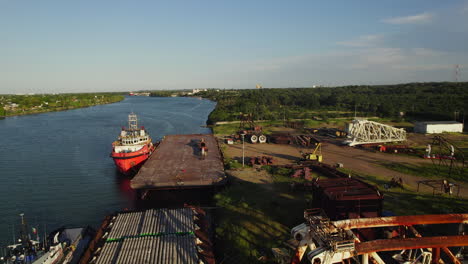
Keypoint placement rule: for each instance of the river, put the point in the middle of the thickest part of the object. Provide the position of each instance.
(55, 167)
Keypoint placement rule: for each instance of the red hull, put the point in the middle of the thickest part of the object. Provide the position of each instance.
(128, 163)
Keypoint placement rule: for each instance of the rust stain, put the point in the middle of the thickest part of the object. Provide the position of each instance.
(410, 243)
(401, 221)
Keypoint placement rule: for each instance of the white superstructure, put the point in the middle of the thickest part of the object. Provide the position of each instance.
(133, 138)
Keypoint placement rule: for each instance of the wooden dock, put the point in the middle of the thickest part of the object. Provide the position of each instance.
(177, 163)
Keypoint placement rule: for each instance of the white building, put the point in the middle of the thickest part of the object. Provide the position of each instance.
(432, 127)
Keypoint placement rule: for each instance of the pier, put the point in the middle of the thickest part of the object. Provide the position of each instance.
(178, 163)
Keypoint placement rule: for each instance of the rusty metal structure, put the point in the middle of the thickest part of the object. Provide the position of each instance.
(299, 140)
(336, 241)
(178, 163)
(152, 236)
(440, 187)
(247, 127)
(445, 154)
(343, 198)
(261, 160)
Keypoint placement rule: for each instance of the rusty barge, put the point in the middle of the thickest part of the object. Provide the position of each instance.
(182, 162)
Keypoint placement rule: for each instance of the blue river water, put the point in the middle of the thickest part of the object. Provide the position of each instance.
(55, 167)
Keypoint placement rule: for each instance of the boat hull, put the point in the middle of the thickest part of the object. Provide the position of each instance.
(129, 163)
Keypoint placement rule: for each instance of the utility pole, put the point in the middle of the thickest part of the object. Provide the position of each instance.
(456, 72)
(355, 110)
(243, 150)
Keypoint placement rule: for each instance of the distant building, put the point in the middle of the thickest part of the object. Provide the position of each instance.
(195, 91)
(432, 127)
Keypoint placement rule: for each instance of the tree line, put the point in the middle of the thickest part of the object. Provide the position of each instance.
(412, 101)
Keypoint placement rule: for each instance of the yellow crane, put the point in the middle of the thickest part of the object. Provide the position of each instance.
(314, 155)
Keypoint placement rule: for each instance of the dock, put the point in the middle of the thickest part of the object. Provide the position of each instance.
(178, 163)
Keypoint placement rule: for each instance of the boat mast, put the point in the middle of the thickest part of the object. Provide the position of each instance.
(132, 122)
(23, 231)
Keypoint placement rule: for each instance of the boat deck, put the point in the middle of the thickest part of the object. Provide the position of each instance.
(177, 164)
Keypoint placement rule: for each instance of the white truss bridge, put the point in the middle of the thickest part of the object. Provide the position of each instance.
(367, 132)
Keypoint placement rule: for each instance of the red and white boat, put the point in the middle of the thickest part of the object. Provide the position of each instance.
(132, 148)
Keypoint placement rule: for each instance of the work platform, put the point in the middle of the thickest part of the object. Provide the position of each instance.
(177, 163)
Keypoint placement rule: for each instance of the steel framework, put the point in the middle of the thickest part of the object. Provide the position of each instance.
(335, 241)
(367, 132)
(444, 154)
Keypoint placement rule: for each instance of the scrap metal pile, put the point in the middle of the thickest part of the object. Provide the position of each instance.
(299, 140)
(328, 132)
(261, 160)
(388, 148)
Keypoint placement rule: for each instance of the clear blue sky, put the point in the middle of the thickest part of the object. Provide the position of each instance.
(81, 46)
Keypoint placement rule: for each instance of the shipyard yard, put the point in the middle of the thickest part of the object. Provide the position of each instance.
(218, 198)
(265, 224)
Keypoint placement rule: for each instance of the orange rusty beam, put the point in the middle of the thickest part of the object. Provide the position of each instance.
(452, 257)
(447, 251)
(401, 220)
(410, 243)
(435, 256)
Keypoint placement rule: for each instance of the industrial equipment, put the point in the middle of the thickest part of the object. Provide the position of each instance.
(445, 154)
(250, 129)
(337, 241)
(314, 155)
(366, 132)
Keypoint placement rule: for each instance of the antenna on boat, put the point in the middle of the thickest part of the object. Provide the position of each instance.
(23, 232)
(14, 238)
(132, 122)
(45, 236)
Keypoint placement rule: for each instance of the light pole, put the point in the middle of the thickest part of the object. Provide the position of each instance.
(243, 150)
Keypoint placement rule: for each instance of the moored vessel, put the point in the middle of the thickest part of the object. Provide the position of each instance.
(64, 245)
(132, 148)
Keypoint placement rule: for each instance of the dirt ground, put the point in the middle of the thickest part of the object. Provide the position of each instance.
(355, 159)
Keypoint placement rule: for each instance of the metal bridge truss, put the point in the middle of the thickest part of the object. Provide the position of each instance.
(368, 132)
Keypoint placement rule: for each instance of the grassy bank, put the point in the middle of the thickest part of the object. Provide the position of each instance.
(429, 171)
(14, 105)
(403, 201)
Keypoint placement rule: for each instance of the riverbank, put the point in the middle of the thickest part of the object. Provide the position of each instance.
(18, 105)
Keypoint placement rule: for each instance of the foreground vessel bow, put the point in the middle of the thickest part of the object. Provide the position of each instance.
(132, 148)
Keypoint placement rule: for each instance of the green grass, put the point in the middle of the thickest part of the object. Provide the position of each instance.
(409, 202)
(253, 218)
(226, 129)
(429, 171)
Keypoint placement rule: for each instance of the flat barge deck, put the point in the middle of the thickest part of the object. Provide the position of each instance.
(178, 163)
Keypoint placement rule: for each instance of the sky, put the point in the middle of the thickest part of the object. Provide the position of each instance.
(86, 46)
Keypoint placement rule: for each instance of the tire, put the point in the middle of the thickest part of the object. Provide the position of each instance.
(253, 139)
(262, 139)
